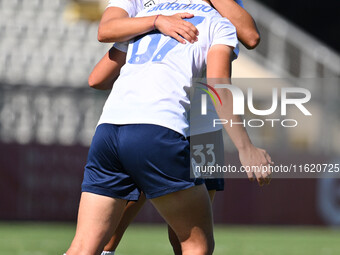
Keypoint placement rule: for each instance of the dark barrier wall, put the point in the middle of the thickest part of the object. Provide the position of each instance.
(43, 183)
(40, 182)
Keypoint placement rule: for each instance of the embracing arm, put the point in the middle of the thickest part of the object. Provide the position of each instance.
(218, 65)
(107, 70)
(117, 26)
(218, 71)
(247, 31)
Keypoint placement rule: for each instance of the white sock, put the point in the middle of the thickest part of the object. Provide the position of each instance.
(105, 253)
(108, 253)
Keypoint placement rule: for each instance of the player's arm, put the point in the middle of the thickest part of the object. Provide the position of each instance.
(219, 68)
(247, 31)
(117, 26)
(107, 69)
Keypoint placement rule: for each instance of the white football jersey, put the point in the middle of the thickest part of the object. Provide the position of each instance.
(132, 7)
(199, 124)
(154, 83)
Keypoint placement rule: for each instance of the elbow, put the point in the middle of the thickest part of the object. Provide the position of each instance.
(98, 84)
(101, 36)
(92, 82)
(104, 38)
(108, 36)
(253, 40)
(100, 39)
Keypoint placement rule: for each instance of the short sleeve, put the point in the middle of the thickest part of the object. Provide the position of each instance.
(240, 3)
(225, 33)
(130, 6)
(121, 46)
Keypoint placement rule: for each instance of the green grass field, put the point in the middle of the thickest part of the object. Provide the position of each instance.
(45, 239)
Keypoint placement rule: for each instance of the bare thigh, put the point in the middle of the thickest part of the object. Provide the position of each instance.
(188, 212)
(130, 211)
(98, 218)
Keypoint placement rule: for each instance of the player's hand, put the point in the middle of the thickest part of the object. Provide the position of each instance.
(177, 28)
(253, 159)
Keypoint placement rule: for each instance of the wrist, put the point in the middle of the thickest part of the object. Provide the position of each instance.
(154, 26)
(244, 145)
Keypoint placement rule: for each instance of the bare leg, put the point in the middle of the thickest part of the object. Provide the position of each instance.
(98, 218)
(212, 194)
(130, 212)
(176, 245)
(188, 212)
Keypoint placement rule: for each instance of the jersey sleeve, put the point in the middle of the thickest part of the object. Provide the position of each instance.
(130, 6)
(240, 3)
(121, 46)
(225, 33)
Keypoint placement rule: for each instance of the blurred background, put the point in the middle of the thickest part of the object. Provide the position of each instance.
(48, 113)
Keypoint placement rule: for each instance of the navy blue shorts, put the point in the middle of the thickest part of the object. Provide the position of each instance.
(214, 184)
(126, 159)
(214, 141)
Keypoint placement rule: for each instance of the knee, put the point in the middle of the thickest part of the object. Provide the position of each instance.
(208, 248)
(202, 248)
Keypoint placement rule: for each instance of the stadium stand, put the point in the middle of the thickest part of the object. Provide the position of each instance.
(42, 48)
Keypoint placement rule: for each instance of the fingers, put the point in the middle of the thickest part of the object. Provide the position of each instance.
(185, 15)
(250, 176)
(188, 31)
(265, 169)
(187, 34)
(259, 175)
(262, 174)
(268, 158)
(191, 30)
(268, 179)
(269, 172)
(266, 175)
(191, 27)
(169, 25)
(178, 38)
(258, 163)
